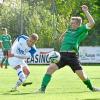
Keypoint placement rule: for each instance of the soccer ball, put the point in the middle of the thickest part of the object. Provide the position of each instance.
(54, 57)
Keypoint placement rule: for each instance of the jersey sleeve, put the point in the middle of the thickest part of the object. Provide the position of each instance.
(85, 27)
(32, 51)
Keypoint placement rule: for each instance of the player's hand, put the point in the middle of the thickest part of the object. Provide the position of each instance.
(84, 8)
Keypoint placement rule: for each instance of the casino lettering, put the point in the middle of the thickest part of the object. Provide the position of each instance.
(38, 59)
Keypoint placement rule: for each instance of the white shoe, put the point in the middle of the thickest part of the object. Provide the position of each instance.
(13, 90)
(39, 91)
(95, 89)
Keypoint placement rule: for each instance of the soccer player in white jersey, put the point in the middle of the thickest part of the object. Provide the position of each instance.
(22, 48)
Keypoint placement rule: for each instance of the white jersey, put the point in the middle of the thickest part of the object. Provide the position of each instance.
(21, 49)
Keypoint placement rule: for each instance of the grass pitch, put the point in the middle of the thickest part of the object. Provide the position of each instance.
(65, 85)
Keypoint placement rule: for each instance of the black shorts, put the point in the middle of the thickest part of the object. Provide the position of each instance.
(71, 59)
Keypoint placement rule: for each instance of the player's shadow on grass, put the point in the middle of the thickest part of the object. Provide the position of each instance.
(49, 92)
(97, 78)
(18, 93)
(68, 92)
(78, 92)
(92, 99)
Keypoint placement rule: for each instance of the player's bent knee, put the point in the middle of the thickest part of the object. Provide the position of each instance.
(26, 71)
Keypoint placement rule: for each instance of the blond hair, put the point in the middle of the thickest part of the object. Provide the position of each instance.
(78, 19)
(34, 36)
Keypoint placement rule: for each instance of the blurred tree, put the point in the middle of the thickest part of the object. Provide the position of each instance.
(48, 18)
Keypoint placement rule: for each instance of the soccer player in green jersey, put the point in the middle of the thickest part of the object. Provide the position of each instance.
(71, 40)
(5, 40)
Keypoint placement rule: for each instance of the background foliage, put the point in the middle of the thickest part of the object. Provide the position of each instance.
(48, 18)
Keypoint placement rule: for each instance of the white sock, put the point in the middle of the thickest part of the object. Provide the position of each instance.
(21, 76)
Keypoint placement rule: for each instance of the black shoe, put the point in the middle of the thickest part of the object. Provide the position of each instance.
(27, 83)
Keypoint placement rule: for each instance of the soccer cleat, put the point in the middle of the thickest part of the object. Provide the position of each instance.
(95, 89)
(27, 83)
(13, 90)
(39, 91)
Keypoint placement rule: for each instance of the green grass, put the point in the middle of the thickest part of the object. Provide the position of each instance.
(65, 85)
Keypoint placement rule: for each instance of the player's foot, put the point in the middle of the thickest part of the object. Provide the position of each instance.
(95, 89)
(1, 66)
(27, 83)
(39, 91)
(5, 67)
(13, 90)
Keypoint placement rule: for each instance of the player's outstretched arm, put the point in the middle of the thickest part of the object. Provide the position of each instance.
(61, 36)
(88, 15)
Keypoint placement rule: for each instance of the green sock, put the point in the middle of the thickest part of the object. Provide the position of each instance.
(45, 81)
(88, 84)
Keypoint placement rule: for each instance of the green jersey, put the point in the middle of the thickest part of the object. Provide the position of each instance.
(6, 42)
(73, 38)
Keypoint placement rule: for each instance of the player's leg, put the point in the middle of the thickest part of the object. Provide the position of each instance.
(6, 60)
(15, 63)
(23, 72)
(76, 67)
(3, 59)
(6, 63)
(26, 72)
(86, 80)
(21, 76)
(51, 69)
(47, 77)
